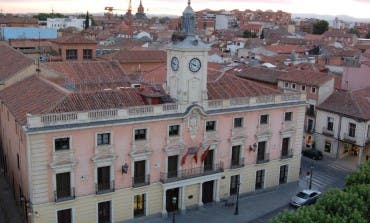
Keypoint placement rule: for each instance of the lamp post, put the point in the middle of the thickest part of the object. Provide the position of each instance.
(237, 198)
(174, 199)
(311, 167)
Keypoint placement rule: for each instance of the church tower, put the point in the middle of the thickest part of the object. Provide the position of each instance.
(187, 64)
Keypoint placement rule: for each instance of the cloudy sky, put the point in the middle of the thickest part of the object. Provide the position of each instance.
(356, 8)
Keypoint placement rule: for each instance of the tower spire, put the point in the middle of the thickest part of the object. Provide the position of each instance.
(129, 5)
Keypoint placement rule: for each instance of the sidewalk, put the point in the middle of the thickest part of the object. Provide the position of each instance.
(9, 212)
(251, 207)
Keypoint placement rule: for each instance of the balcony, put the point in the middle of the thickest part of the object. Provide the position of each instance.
(263, 130)
(348, 138)
(237, 163)
(141, 181)
(288, 126)
(286, 154)
(64, 195)
(105, 187)
(327, 132)
(167, 177)
(264, 159)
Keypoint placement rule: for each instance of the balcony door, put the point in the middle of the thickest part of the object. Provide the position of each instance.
(172, 166)
(208, 162)
(63, 185)
(65, 216)
(285, 147)
(261, 151)
(170, 195)
(104, 178)
(104, 212)
(235, 156)
(139, 172)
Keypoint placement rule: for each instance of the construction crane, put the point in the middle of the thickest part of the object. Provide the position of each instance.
(109, 11)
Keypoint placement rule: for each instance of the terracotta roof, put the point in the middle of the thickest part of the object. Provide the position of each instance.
(229, 86)
(14, 19)
(74, 39)
(355, 104)
(88, 73)
(11, 61)
(257, 73)
(32, 95)
(108, 99)
(305, 77)
(132, 56)
(285, 49)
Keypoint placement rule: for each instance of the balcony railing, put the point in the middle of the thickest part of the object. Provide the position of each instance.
(105, 187)
(64, 195)
(191, 173)
(286, 154)
(348, 138)
(327, 131)
(141, 181)
(237, 163)
(264, 159)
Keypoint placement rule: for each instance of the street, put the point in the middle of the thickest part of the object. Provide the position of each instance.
(327, 173)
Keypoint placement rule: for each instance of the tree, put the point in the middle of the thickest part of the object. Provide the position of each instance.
(368, 35)
(249, 34)
(320, 26)
(45, 16)
(354, 31)
(87, 20)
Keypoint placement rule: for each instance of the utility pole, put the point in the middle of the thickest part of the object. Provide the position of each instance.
(311, 167)
(237, 198)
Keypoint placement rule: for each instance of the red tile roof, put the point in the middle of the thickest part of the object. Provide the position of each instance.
(229, 86)
(132, 56)
(355, 104)
(74, 39)
(285, 49)
(30, 96)
(305, 77)
(12, 61)
(257, 73)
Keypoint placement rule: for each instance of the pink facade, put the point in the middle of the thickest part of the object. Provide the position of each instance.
(355, 78)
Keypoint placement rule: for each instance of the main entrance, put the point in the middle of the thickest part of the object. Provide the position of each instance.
(170, 194)
(207, 192)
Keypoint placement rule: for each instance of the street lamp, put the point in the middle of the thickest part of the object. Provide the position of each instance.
(311, 167)
(174, 199)
(237, 198)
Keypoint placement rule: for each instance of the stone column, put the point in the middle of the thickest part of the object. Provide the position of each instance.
(217, 197)
(164, 210)
(183, 195)
(200, 203)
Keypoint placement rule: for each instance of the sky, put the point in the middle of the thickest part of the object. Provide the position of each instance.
(354, 8)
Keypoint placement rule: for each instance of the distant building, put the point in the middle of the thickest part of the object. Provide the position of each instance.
(62, 23)
(7, 33)
(15, 21)
(140, 12)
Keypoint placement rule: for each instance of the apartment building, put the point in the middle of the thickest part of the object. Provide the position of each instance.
(87, 154)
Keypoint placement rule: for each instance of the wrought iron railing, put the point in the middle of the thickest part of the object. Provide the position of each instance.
(104, 187)
(140, 181)
(64, 195)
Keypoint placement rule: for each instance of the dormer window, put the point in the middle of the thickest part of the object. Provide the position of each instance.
(286, 85)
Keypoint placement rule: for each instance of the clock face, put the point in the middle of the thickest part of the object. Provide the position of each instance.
(174, 63)
(194, 65)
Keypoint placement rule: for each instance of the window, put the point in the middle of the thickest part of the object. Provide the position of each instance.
(210, 126)
(65, 216)
(352, 130)
(283, 174)
(174, 130)
(327, 147)
(238, 122)
(61, 144)
(235, 156)
(286, 85)
(313, 90)
(260, 175)
(103, 139)
(234, 180)
(18, 162)
(104, 212)
(140, 177)
(104, 182)
(63, 186)
(261, 150)
(172, 163)
(87, 54)
(288, 116)
(285, 147)
(264, 119)
(293, 86)
(140, 134)
(303, 87)
(71, 54)
(330, 124)
(139, 205)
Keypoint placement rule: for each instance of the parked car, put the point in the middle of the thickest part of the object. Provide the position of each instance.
(305, 197)
(313, 154)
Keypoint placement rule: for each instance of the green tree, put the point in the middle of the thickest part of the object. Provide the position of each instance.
(45, 16)
(249, 34)
(320, 26)
(368, 35)
(360, 177)
(87, 20)
(354, 31)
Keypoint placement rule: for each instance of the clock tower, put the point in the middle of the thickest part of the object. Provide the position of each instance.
(187, 64)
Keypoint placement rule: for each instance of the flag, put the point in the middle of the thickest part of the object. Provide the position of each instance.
(195, 157)
(183, 159)
(204, 155)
